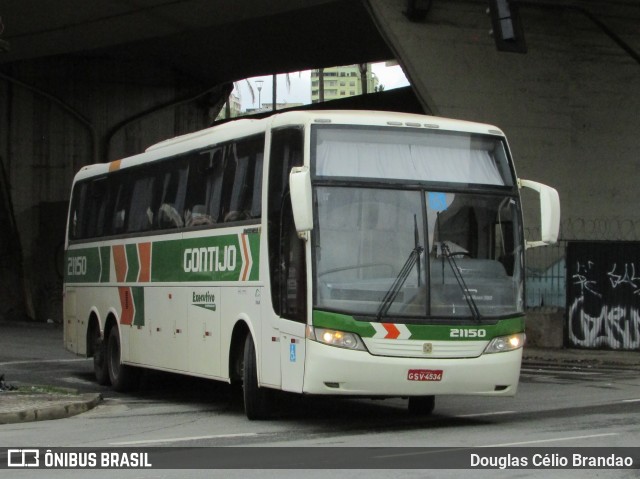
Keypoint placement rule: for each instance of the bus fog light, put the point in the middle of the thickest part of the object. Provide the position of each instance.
(340, 339)
(505, 343)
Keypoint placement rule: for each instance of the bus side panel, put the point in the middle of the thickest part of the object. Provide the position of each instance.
(156, 330)
(70, 321)
(270, 354)
(79, 302)
(204, 330)
(293, 354)
(239, 303)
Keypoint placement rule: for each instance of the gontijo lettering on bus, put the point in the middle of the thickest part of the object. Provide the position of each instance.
(210, 259)
(213, 258)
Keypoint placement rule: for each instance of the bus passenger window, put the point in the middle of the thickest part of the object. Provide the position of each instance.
(123, 192)
(118, 221)
(202, 203)
(244, 171)
(78, 203)
(140, 212)
(172, 197)
(197, 216)
(168, 217)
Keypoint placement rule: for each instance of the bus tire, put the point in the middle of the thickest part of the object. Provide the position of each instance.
(257, 404)
(421, 405)
(122, 377)
(100, 368)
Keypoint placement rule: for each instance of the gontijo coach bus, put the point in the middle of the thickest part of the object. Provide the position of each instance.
(349, 253)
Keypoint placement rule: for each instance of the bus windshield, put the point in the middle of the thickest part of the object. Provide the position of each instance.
(418, 253)
(409, 155)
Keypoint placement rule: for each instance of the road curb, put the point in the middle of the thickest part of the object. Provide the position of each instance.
(44, 407)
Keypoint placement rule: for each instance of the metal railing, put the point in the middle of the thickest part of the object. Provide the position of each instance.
(546, 281)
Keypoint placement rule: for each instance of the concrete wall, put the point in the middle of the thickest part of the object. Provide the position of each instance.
(570, 106)
(545, 328)
(43, 142)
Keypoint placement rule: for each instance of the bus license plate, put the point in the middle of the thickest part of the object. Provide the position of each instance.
(424, 375)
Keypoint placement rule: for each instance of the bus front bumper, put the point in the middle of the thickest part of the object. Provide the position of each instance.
(338, 371)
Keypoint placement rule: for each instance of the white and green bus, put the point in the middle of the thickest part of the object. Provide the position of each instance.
(345, 253)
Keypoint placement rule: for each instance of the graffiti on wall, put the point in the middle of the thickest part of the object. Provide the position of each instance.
(603, 295)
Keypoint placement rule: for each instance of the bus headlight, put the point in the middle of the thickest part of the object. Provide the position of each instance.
(505, 343)
(332, 337)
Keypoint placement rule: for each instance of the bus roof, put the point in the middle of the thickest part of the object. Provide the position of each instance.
(246, 127)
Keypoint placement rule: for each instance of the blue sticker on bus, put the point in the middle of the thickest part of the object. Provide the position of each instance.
(438, 201)
(292, 353)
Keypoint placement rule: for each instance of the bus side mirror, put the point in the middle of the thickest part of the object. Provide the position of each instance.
(549, 212)
(301, 200)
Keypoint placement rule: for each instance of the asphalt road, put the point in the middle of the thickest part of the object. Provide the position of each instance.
(556, 406)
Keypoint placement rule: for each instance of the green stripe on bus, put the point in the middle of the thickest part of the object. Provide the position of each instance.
(212, 258)
(105, 263)
(133, 263)
(138, 301)
(254, 245)
(342, 322)
(435, 332)
(82, 266)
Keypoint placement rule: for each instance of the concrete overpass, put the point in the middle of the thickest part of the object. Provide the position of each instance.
(92, 81)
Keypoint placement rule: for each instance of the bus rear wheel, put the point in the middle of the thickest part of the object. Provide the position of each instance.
(122, 377)
(421, 405)
(257, 400)
(100, 367)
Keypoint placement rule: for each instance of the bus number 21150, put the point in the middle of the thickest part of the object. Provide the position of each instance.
(467, 333)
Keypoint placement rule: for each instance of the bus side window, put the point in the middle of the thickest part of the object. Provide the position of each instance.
(171, 192)
(230, 162)
(203, 188)
(255, 205)
(287, 268)
(78, 207)
(140, 209)
(122, 195)
(243, 179)
(96, 203)
(104, 209)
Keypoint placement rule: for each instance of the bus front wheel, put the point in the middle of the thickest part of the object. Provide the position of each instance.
(122, 377)
(421, 405)
(257, 404)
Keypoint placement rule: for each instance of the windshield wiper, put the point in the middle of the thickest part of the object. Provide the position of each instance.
(391, 295)
(468, 297)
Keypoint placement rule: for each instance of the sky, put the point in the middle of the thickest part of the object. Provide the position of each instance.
(299, 90)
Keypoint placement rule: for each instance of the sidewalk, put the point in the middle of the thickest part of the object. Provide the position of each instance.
(572, 358)
(20, 406)
(34, 400)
